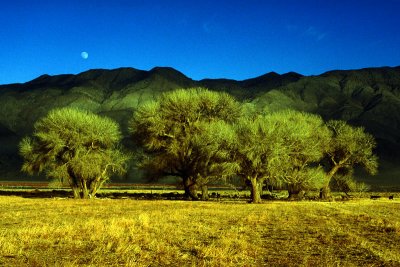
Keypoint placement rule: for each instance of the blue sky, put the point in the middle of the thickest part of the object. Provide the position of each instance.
(202, 39)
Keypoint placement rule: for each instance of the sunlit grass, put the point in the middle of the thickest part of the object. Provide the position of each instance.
(107, 232)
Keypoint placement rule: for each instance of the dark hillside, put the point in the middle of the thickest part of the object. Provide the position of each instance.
(368, 97)
(250, 88)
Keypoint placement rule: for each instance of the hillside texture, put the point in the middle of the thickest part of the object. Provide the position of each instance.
(366, 97)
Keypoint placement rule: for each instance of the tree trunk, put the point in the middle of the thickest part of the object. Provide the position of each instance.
(325, 191)
(190, 189)
(255, 190)
(295, 193)
(95, 186)
(85, 191)
(204, 192)
(75, 190)
(73, 183)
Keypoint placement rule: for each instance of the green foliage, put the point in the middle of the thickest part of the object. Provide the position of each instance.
(352, 146)
(212, 147)
(304, 137)
(257, 152)
(186, 133)
(74, 146)
(284, 148)
(349, 147)
(253, 146)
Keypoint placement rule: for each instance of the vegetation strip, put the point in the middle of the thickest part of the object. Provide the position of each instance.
(202, 138)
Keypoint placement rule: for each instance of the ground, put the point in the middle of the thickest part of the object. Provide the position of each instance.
(126, 232)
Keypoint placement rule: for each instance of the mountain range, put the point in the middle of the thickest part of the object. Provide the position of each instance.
(366, 97)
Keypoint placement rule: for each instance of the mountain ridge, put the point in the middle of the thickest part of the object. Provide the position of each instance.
(157, 69)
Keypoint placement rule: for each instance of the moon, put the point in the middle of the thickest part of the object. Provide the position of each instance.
(85, 55)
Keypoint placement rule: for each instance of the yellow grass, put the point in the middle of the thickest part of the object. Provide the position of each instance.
(105, 232)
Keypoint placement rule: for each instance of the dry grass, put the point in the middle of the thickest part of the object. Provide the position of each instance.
(67, 232)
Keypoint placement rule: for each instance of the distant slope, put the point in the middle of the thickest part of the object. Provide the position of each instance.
(248, 89)
(368, 97)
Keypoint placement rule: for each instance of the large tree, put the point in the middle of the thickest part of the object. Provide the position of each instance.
(186, 133)
(349, 147)
(281, 148)
(76, 147)
(258, 152)
(304, 137)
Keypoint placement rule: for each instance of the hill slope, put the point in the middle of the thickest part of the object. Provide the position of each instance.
(367, 97)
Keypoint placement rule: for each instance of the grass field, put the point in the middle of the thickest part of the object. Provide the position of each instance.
(124, 232)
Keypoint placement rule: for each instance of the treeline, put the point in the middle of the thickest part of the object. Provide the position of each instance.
(201, 137)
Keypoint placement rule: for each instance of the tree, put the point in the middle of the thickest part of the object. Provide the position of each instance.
(257, 152)
(186, 133)
(74, 146)
(348, 148)
(212, 154)
(281, 148)
(304, 137)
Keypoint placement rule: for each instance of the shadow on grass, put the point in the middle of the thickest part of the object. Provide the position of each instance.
(36, 193)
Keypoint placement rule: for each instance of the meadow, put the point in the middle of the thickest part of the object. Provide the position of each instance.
(125, 232)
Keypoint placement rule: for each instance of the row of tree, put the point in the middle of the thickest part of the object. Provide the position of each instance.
(201, 137)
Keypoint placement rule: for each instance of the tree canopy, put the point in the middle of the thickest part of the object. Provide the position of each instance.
(282, 148)
(257, 152)
(186, 133)
(304, 138)
(203, 136)
(349, 147)
(76, 147)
